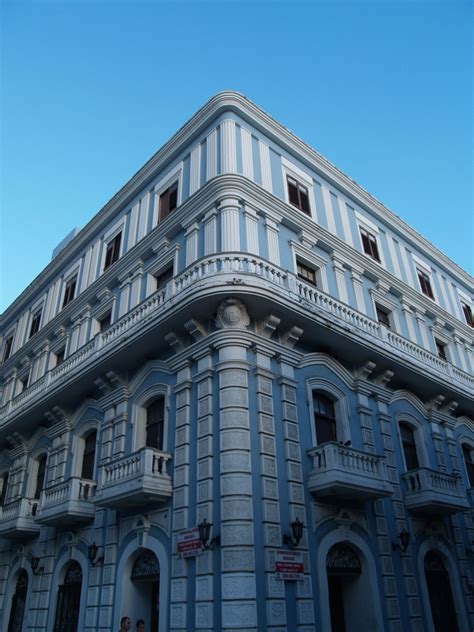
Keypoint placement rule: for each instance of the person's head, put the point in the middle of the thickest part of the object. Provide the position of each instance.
(140, 625)
(125, 623)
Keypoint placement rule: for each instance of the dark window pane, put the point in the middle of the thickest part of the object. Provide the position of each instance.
(35, 322)
(468, 314)
(40, 476)
(425, 284)
(89, 456)
(3, 492)
(383, 316)
(60, 356)
(113, 251)
(374, 251)
(155, 423)
(168, 201)
(409, 447)
(164, 277)
(70, 291)
(304, 199)
(305, 273)
(441, 349)
(173, 200)
(105, 322)
(7, 348)
(298, 195)
(324, 418)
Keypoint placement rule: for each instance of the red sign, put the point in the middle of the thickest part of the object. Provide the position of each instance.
(289, 565)
(188, 543)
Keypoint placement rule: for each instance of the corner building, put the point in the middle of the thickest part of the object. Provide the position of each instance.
(242, 335)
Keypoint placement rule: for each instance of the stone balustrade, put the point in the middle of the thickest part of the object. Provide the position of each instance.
(431, 491)
(17, 518)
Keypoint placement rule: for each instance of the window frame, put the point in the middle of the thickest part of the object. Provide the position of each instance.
(441, 349)
(418, 432)
(69, 295)
(468, 464)
(305, 256)
(111, 246)
(7, 350)
(162, 212)
(139, 415)
(159, 423)
(330, 419)
(302, 178)
(303, 277)
(467, 311)
(425, 282)
(341, 407)
(387, 312)
(36, 322)
(298, 186)
(370, 246)
(174, 176)
(411, 445)
(85, 454)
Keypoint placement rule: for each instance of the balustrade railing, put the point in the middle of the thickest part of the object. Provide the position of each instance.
(19, 508)
(146, 461)
(245, 267)
(426, 480)
(75, 489)
(332, 455)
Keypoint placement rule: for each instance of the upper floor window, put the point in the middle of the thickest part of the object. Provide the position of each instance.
(369, 244)
(163, 278)
(468, 314)
(70, 291)
(7, 347)
(306, 273)
(168, 201)
(40, 476)
(383, 315)
(60, 353)
(467, 453)
(88, 458)
(113, 250)
(324, 418)
(4, 489)
(298, 195)
(155, 420)
(409, 447)
(24, 383)
(35, 322)
(105, 322)
(441, 349)
(425, 283)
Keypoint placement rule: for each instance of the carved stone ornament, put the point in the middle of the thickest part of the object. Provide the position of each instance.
(232, 313)
(343, 560)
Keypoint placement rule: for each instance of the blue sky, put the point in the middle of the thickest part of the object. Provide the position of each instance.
(90, 90)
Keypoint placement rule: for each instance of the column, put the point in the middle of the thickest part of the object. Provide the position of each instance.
(271, 231)
(409, 321)
(251, 230)
(427, 344)
(230, 229)
(356, 278)
(338, 267)
(191, 235)
(210, 231)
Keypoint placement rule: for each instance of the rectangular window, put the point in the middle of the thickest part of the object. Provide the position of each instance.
(369, 244)
(306, 274)
(24, 383)
(469, 462)
(3, 493)
(324, 418)
(441, 350)
(409, 447)
(163, 278)
(155, 419)
(468, 314)
(425, 284)
(88, 458)
(298, 195)
(60, 356)
(70, 291)
(7, 347)
(168, 201)
(105, 322)
(113, 251)
(383, 315)
(35, 322)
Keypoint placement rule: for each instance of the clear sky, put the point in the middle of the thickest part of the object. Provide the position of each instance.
(90, 90)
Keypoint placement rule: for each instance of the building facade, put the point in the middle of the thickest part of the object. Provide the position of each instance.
(244, 338)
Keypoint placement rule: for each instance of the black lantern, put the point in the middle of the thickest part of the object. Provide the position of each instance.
(204, 529)
(35, 567)
(404, 537)
(92, 551)
(297, 533)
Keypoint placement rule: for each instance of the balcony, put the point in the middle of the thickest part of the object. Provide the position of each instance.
(341, 473)
(17, 519)
(136, 480)
(432, 492)
(66, 503)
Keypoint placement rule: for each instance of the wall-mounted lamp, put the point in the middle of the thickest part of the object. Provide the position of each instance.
(404, 541)
(92, 551)
(35, 565)
(204, 528)
(297, 533)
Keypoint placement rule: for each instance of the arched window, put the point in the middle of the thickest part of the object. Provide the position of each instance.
(441, 596)
(146, 576)
(155, 419)
(88, 458)
(3, 489)
(324, 418)
(40, 475)
(468, 462)
(17, 612)
(69, 600)
(409, 447)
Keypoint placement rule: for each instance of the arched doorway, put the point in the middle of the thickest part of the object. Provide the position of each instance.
(69, 600)
(17, 612)
(440, 593)
(145, 578)
(343, 569)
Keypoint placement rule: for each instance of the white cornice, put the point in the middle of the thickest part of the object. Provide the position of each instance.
(235, 102)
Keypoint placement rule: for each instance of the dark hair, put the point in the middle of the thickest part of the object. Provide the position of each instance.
(122, 621)
(140, 622)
